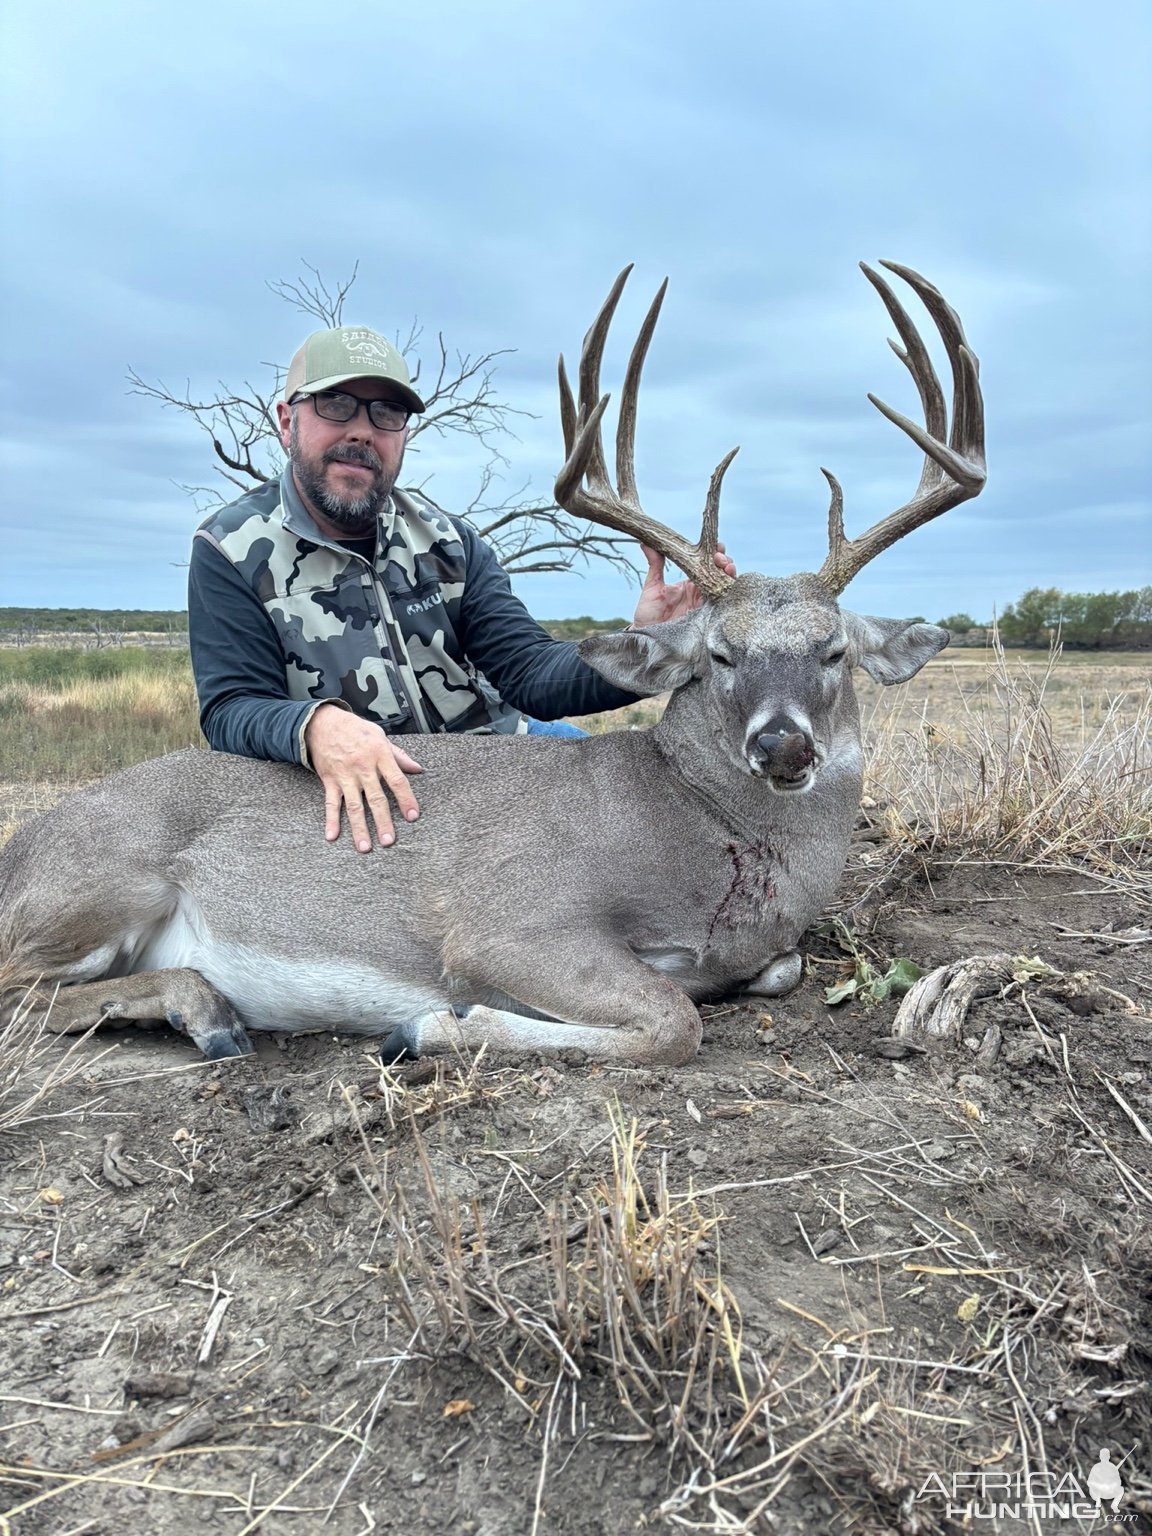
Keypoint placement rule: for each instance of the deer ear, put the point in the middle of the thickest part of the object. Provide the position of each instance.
(647, 661)
(892, 650)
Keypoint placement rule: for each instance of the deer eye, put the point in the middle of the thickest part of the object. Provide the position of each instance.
(830, 661)
(721, 660)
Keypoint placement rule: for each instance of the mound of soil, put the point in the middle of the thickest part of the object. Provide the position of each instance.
(295, 1293)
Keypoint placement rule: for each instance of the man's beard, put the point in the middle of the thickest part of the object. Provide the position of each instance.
(354, 513)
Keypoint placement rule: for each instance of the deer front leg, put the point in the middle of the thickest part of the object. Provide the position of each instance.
(181, 998)
(600, 1000)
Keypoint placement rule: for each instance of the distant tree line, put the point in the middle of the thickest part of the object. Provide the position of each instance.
(1083, 621)
(25, 625)
(576, 629)
(148, 621)
(1096, 621)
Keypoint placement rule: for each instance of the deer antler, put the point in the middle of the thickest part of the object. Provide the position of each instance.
(954, 469)
(583, 487)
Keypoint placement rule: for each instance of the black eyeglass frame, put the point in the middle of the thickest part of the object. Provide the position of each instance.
(369, 405)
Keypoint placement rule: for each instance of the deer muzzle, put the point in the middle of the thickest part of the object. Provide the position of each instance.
(784, 753)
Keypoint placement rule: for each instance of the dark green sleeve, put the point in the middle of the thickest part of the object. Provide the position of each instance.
(238, 664)
(536, 674)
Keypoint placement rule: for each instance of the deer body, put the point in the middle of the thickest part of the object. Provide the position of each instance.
(250, 876)
(553, 893)
(653, 847)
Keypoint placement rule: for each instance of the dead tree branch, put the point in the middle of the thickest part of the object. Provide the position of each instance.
(462, 399)
(316, 298)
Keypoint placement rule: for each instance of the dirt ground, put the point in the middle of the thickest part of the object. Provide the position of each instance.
(297, 1295)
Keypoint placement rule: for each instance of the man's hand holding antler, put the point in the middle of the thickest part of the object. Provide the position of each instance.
(661, 600)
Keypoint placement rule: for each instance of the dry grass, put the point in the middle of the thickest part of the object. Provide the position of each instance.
(33, 1064)
(1012, 762)
(73, 730)
(614, 1311)
(620, 1281)
(623, 1290)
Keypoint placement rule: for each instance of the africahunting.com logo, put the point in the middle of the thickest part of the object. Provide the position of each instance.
(1001, 1495)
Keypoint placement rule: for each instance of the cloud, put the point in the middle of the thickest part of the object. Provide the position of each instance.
(492, 169)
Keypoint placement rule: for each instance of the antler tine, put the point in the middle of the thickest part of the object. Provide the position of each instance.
(967, 403)
(582, 441)
(567, 409)
(710, 528)
(591, 355)
(836, 539)
(954, 469)
(583, 487)
(626, 428)
(914, 355)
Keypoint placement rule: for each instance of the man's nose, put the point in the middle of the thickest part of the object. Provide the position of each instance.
(360, 427)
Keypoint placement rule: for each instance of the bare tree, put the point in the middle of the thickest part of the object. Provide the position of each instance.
(527, 535)
(99, 636)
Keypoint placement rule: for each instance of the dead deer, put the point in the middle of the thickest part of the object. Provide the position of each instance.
(553, 894)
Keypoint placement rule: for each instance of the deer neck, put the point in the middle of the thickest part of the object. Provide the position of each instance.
(689, 743)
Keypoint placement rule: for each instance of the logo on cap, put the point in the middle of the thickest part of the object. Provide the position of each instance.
(368, 347)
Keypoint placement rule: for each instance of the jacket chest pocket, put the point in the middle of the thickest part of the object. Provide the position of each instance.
(420, 610)
(335, 647)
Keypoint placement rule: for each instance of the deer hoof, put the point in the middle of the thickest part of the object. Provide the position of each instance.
(779, 977)
(398, 1046)
(219, 1039)
(223, 1043)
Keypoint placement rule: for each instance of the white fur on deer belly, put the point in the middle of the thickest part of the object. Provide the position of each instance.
(670, 962)
(277, 992)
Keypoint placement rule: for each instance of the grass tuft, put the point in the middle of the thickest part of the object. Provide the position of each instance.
(33, 1066)
(621, 1291)
(70, 720)
(1002, 772)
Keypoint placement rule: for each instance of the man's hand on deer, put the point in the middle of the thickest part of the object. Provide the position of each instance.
(351, 757)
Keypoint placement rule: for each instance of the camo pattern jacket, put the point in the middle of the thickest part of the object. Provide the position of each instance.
(380, 634)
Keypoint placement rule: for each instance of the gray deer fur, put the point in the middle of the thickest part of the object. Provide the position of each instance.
(552, 894)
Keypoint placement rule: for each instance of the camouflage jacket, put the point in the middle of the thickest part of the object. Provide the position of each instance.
(378, 635)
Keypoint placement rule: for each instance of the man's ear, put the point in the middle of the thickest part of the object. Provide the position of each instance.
(892, 650)
(650, 660)
(284, 422)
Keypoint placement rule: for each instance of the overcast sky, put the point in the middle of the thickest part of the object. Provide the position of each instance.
(491, 167)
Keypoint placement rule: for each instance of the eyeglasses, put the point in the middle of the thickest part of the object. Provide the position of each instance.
(336, 405)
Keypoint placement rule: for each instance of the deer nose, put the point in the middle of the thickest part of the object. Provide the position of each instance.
(778, 730)
(788, 749)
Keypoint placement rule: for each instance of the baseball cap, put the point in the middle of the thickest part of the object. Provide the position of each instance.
(331, 358)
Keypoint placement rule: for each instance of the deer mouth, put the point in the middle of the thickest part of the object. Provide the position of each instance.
(791, 783)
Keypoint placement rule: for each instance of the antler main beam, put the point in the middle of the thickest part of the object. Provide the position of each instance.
(954, 464)
(583, 486)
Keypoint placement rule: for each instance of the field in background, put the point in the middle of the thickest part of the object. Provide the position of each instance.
(1080, 689)
(70, 715)
(1008, 752)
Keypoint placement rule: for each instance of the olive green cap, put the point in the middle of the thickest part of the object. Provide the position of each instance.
(331, 358)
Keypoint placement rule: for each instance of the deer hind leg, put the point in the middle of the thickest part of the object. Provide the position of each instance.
(600, 1000)
(181, 998)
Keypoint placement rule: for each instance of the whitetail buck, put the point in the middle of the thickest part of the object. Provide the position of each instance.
(583, 894)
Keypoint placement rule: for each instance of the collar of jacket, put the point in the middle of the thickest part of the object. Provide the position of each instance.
(299, 521)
